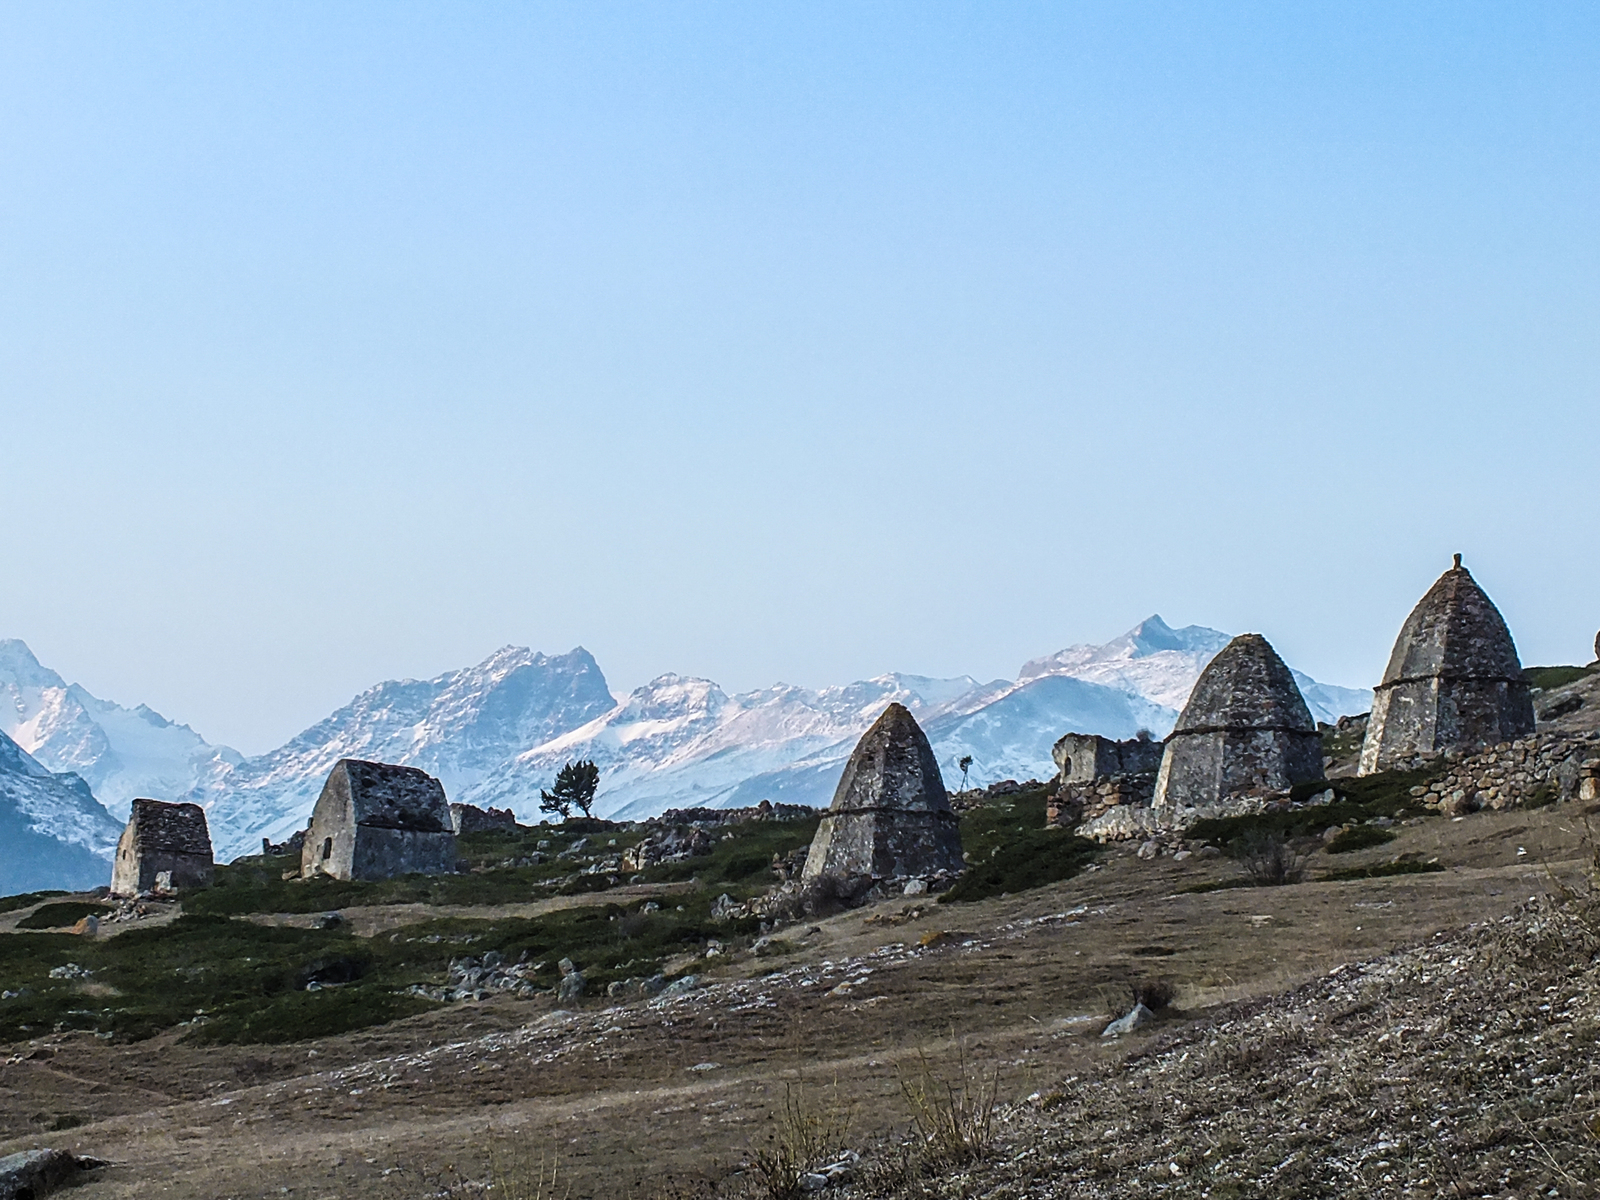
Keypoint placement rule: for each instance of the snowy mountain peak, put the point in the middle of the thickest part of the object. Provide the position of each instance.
(19, 668)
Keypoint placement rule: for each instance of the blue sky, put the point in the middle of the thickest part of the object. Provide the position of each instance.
(802, 342)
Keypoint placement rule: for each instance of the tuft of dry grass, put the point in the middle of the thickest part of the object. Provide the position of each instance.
(807, 1128)
(954, 1118)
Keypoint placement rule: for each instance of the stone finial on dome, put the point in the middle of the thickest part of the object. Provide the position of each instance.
(1245, 731)
(1453, 679)
(890, 814)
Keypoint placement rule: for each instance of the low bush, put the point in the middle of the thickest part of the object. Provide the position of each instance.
(60, 916)
(24, 899)
(1386, 794)
(1358, 837)
(1268, 860)
(1155, 994)
(1382, 870)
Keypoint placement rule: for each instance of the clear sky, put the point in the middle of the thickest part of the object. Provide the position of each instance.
(342, 342)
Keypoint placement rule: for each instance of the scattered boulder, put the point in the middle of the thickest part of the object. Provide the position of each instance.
(1138, 1017)
(36, 1173)
(572, 982)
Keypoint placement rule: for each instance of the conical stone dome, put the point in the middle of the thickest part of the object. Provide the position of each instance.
(1453, 680)
(890, 815)
(1245, 731)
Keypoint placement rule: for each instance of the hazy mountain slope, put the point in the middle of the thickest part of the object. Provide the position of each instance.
(496, 733)
(53, 833)
(1161, 664)
(458, 726)
(120, 752)
(680, 742)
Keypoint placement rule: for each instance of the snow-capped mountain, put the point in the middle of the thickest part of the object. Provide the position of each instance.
(498, 732)
(1161, 664)
(459, 727)
(53, 833)
(120, 752)
(679, 742)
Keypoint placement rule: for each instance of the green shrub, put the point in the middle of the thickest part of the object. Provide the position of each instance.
(24, 899)
(1545, 678)
(60, 916)
(1386, 794)
(1358, 837)
(1028, 860)
(1398, 867)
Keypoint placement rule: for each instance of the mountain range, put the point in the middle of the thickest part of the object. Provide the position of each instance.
(53, 832)
(496, 733)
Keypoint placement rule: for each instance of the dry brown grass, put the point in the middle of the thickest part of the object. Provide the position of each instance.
(953, 1117)
(809, 1126)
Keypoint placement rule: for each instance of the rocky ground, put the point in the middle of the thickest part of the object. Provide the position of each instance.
(1324, 1036)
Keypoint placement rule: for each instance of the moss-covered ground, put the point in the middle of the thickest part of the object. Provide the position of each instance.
(1357, 800)
(233, 979)
(1010, 850)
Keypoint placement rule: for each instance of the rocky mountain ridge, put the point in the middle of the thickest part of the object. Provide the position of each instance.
(53, 832)
(495, 733)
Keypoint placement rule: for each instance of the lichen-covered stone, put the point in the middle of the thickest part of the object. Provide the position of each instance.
(377, 820)
(163, 848)
(1245, 731)
(1454, 681)
(890, 816)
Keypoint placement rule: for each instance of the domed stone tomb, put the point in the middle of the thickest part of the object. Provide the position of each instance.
(1245, 731)
(1453, 681)
(890, 815)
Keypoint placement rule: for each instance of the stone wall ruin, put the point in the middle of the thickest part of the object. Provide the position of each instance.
(163, 848)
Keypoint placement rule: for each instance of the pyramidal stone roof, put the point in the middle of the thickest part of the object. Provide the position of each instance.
(1453, 681)
(1246, 686)
(890, 816)
(892, 767)
(1455, 632)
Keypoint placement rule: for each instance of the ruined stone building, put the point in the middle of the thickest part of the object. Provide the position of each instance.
(1245, 731)
(890, 816)
(1086, 757)
(469, 818)
(164, 848)
(1095, 773)
(1453, 680)
(374, 820)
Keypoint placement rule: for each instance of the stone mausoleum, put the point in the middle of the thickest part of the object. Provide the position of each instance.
(890, 816)
(376, 820)
(1454, 681)
(1245, 731)
(164, 848)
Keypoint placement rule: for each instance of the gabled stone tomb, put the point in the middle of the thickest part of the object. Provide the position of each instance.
(1245, 731)
(890, 816)
(165, 847)
(376, 820)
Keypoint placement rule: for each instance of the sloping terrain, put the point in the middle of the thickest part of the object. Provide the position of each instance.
(53, 833)
(672, 1096)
